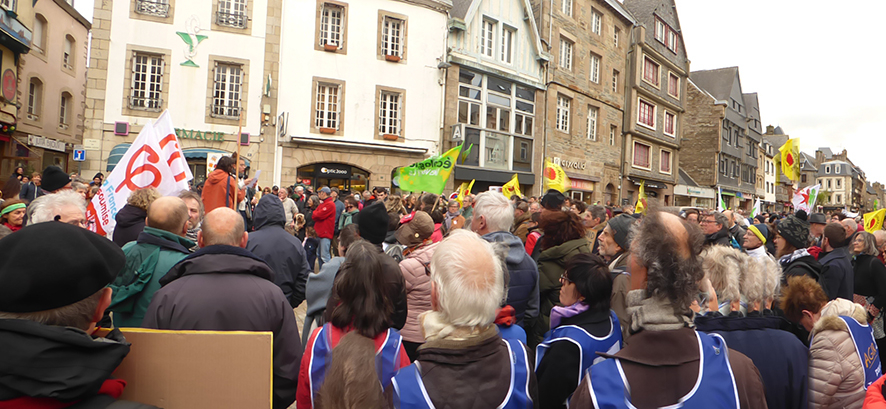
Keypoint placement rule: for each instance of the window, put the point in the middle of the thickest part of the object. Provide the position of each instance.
(232, 13)
(469, 101)
(646, 114)
(612, 132)
(837, 169)
(523, 154)
(563, 113)
(803, 178)
(35, 99)
(8, 5)
(496, 150)
(331, 27)
(507, 44)
(665, 35)
(670, 123)
(641, 155)
(595, 69)
(226, 91)
(566, 7)
(525, 109)
(673, 85)
(565, 53)
(498, 104)
(650, 71)
(723, 169)
(596, 22)
(327, 106)
(392, 36)
(147, 78)
(64, 111)
(827, 170)
(592, 123)
(389, 113)
(839, 198)
(829, 183)
(615, 33)
(614, 81)
(487, 38)
(839, 183)
(68, 56)
(156, 8)
(664, 162)
(39, 34)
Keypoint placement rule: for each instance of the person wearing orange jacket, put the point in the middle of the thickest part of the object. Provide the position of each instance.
(221, 188)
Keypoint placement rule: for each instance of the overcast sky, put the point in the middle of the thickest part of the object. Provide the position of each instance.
(813, 64)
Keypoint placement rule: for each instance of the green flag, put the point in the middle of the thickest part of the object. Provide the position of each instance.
(429, 175)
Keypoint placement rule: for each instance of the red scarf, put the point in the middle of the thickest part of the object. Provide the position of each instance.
(13, 228)
(505, 316)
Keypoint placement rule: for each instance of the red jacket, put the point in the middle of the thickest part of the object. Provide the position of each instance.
(324, 219)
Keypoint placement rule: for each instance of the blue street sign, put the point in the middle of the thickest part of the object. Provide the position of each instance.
(79, 155)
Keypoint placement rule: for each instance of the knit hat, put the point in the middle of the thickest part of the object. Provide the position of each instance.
(54, 178)
(373, 222)
(621, 228)
(794, 230)
(415, 229)
(760, 230)
(52, 265)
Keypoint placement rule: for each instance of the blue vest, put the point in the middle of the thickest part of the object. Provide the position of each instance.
(714, 389)
(588, 344)
(512, 332)
(387, 360)
(866, 347)
(410, 393)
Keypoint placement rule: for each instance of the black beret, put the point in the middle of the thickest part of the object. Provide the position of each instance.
(54, 178)
(373, 223)
(53, 264)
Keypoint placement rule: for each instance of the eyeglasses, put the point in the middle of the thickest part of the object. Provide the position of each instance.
(706, 221)
(564, 280)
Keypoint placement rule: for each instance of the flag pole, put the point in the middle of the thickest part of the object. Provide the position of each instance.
(237, 162)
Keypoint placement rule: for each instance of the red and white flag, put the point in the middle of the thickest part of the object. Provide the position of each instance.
(172, 151)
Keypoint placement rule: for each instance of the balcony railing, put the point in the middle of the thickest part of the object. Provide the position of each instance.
(231, 111)
(146, 104)
(154, 8)
(237, 20)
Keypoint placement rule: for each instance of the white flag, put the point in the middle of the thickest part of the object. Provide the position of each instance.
(804, 199)
(172, 151)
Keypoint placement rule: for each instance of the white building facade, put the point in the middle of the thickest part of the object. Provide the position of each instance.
(769, 173)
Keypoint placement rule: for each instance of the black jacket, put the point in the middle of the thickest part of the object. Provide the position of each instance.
(130, 222)
(30, 191)
(226, 288)
(58, 363)
(870, 278)
(721, 237)
(837, 277)
(281, 250)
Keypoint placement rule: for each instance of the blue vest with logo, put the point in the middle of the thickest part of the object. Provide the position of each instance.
(866, 347)
(387, 359)
(410, 393)
(714, 389)
(588, 344)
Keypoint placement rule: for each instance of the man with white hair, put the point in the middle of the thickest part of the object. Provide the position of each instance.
(465, 362)
(65, 206)
(850, 226)
(493, 216)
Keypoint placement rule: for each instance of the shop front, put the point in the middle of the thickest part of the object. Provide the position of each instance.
(33, 153)
(343, 176)
(581, 190)
(695, 196)
(655, 191)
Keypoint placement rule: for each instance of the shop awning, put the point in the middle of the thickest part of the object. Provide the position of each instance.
(116, 154)
(118, 151)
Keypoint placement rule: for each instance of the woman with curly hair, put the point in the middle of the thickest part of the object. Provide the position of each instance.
(564, 237)
(131, 218)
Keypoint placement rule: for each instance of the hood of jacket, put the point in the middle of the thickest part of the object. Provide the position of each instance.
(130, 215)
(61, 363)
(516, 249)
(219, 259)
(269, 212)
(216, 177)
(832, 311)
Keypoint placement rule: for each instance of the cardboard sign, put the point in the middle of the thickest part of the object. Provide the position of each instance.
(198, 369)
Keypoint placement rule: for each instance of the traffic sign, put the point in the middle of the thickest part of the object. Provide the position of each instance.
(79, 155)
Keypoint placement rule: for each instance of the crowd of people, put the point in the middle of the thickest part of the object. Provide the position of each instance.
(424, 300)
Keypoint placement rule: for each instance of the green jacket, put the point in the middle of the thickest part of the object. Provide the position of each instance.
(346, 218)
(551, 264)
(148, 259)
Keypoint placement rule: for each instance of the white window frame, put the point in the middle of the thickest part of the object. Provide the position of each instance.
(566, 7)
(390, 116)
(332, 28)
(393, 36)
(661, 162)
(615, 75)
(508, 36)
(68, 53)
(227, 94)
(838, 183)
(612, 131)
(659, 30)
(35, 98)
(595, 63)
(827, 169)
(634, 156)
(327, 113)
(566, 47)
(487, 38)
(593, 114)
(836, 169)
(232, 13)
(672, 75)
(9, 5)
(674, 123)
(38, 39)
(596, 22)
(563, 113)
(615, 33)
(64, 114)
(657, 73)
(640, 102)
(146, 88)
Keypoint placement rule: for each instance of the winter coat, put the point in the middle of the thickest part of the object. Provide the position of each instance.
(281, 250)
(806, 265)
(130, 223)
(30, 191)
(417, 279)
(339, 209)
(317, 292)
(552, 264)
(836, 374)
(324, 219)
(521, 226)
(870, 278)
(148, 259)
(437, 235)
(621, 285)
(289, 210)
(218, 184)
(720, 238)
(780, 357)
(45, 366)
(874, 398)
(523, 277)
(837, 278)
(227, 288)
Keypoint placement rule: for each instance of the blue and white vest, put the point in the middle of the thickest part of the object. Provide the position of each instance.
(587, 343)
(410, 392)
(714, 388)
(866, 347)
(387, 359)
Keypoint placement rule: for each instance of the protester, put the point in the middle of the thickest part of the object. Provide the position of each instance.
(850, 226)
(378, 194)
(840, 337)
(245, 184)
(666, 359)
(583, 326)
(594, 220)
(18, 173)
(714, 226)
(817, 221)
(755, 239)
(692, 215)
(223, 287)
(32, 190)
(300, 198)
(307, 233)
(159, 247)
(837, 276)
(97, 179)
(319, 286)
(409, 203)
(522, 221)
(351, 381)
(415, 235)
(453, 218)
(289, 211)
(195, 213)
(221, 188)
(880, 236)
(464, 360)
(55, 180)
(12, 214)
(351, 209)
(335, 194)
(49, 305)
(792, 235)
(281, 250)
(324, 223)
(722, 266)
(362, 307)
(66, 207)
(131, 218)
(869, 281)
(492, 219)
(81, 188)
(614, 246)
(734, 228)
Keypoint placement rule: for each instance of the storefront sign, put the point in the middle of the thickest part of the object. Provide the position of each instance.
(570, 164)
(333, 170)
(46, 143)
(578, 184)
(204, 136)
(693, 191)
(92, 144)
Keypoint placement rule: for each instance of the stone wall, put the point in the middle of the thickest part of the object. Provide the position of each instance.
(701, 137)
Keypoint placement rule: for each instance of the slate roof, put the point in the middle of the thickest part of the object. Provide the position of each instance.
(460, 8)
(683, 178)
(716, 82)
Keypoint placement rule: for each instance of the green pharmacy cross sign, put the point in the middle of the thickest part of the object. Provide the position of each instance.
(192, 39)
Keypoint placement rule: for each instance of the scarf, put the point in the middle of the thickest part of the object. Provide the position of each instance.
(758, 253)
(13, 228)
(449, 217)
(787, 259)
(558, 312)
(653, 314)
(505, 316)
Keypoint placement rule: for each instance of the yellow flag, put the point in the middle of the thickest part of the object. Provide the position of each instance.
(641, 199)
(464, 190)
(555, 177)
(511, 188)
(790, 159)
(873, 221)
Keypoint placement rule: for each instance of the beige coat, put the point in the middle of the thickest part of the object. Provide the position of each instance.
(418, 291)
(836, 377)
